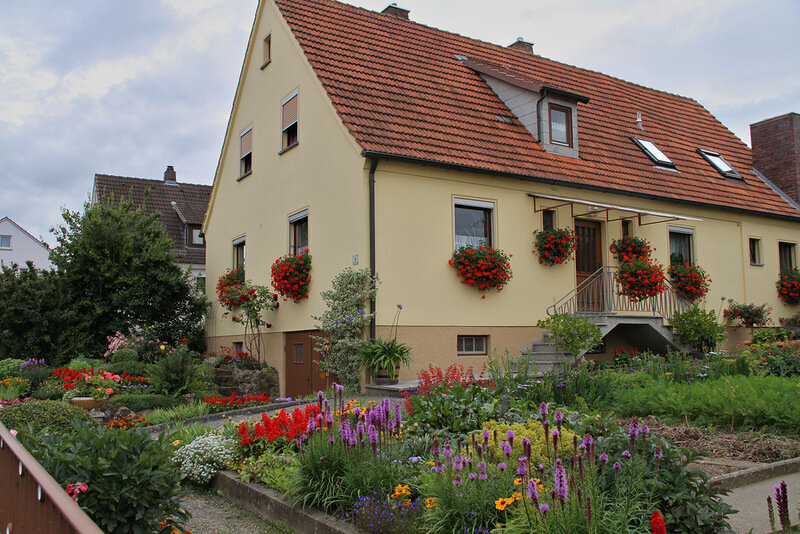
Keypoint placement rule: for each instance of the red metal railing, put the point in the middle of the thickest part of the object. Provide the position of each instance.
(31, 501)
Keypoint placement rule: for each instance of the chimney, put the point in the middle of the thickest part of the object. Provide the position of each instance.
(776, 151)
(398, 12)
(522, 45)
(169, 175)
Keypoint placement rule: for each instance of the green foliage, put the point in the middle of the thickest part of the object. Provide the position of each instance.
(698, 328)
(380, 354)
(270, 469)
(573, 334)
(37, 316)
(57, 416)
(780, 358)
(768, 335)
(131, 482)
(14, 388)
(139, 402)
(9, 367)
(541, 452)
(174, 373)
(50, 389)
(118, 273)
(86, 363)
(132, 368)
(125, 355)
(203, 383)
(36, 374)
(452, 409)
(344, 321)
(178, 413)
(748, 314)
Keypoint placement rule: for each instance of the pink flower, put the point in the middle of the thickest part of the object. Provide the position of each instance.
(109, 391)
(13, 432)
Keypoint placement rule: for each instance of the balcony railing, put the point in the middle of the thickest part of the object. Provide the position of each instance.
(601, 294)
(31, 500)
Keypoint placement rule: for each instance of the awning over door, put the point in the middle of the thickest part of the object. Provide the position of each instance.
(586, 207)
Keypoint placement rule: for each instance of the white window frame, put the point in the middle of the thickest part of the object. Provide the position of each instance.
(481, 204)
(284, 145)
(236, 242)
(474, 352)
(9, 241)
(242, 171)
(692, 245)
(197, 238)
(295, 218)
(653, 152)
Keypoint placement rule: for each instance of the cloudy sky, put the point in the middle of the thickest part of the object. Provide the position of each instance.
(127, 88)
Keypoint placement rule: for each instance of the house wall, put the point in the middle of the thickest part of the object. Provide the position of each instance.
(23, 248)
(324, 173)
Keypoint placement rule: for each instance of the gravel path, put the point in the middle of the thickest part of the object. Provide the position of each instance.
(214, 514)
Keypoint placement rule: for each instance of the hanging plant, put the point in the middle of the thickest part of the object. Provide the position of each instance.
(290, 276)
(555, 246)
(230, 289)
(789, 287)
(482, 268)
(691, 281)
(640, 279)
(631, 247)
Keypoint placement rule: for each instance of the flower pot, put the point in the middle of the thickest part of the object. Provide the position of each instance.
(87, 403)
(382, 378)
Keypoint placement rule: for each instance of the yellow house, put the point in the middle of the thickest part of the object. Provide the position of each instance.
(379, 142)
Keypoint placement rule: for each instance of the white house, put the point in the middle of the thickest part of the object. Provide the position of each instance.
(18, 246)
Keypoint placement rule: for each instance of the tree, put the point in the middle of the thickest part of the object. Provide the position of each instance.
(35, 316)
(117, 268)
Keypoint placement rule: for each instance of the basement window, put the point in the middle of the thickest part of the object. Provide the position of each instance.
(719, 163)
(653, 152)
(472, 345)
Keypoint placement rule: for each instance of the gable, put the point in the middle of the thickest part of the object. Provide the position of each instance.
(402, 92)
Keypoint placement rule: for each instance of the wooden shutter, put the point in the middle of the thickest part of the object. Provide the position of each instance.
(290, 112)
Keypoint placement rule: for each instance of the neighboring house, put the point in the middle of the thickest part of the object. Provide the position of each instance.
(181, 206)
(379, 142)
(18, 246)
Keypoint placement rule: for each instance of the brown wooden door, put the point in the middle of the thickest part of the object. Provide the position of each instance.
(587, 261)
(302, 375)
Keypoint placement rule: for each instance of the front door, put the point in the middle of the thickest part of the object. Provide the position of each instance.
(302, 375)
(587, 262)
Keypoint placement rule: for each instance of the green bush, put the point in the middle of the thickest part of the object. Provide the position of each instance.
(203, 382)
(9, 367)
(57, 416)
(85, 363)
(131, 482)
(125, 355)
(781, 358)
(272, 470)
(698, 328)
(138, 402)
(132, 368)
(14, 388)
(178, 413)
(770, 335)
(576, 335)
(36, 374)
(174, 373)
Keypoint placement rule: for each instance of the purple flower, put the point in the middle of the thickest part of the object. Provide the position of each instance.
(558, 417)
(502, 466)
(658, 452)
(543, 411)
(522, 467)
(544, 509)
(415, 459)
(457, 481)
(438, 468)
(398, 417)
(533, 491)
(617, 466)
(644, 429)
(472, 476)
(486, 435)
(506, 448)
(436, 447)
(561, 481)
(604, 458)
(510, 437)
(626, 454)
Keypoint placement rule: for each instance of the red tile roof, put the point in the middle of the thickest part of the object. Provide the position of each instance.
(190, 205)
(401, 91)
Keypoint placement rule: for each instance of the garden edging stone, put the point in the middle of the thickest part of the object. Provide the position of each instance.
(755, 474)
(269, 504)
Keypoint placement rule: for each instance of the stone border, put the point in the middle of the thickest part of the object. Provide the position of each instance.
(222, 417)
(267, 503)
(755, 474)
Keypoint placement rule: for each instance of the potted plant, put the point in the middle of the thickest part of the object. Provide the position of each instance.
(482, 268)
(384, 357)
(789, 287)
(230, 288)
(291, 276)
(89, 390)
(640, 279)
(691, 281)
(630, 247)
(555, 246)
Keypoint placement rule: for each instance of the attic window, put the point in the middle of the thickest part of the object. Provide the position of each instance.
(653, 152)
(719, 163)
(560, 125)
(289, 122)
(505, 119)
(246, 152)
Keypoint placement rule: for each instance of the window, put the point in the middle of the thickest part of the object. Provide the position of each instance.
(200, 283)
(626, 228)
(197, 236)
(297, 353)
(246, 152)
(298, 232)
(267, 50)
(719, 163)
(472, 345)
(652, 151)
(755, 251)
(5, 241)
(239, 254)
(473, 223)
(787, 257)
(680, 245)
(289, 122)
(560, 125)
(238, 347)
(548, 219)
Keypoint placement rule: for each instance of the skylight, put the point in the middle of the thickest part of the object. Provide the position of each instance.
(719, 163)
(653, 152)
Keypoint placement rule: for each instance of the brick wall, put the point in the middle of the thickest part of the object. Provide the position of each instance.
(776, 151)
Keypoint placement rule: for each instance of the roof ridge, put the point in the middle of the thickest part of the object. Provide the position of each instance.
(156, 180)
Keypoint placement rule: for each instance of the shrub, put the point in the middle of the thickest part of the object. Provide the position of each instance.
(780, 358)
(482, 268)
(9, 367)
(640, 279)
(56, 416)
(125, 355)
(555, 246)
(789, 287)
(203, 383)
(139, 402)
(269, 469)
(50, 389)
(690, 280)
(37, 371)
(173, 374)
(291, 276)
(573, 334)
(698, 328)
(200, 460)
(85, 363)
(749, 314)
(133, 368)
(131, 482)
(533, 430)
(771, 335)
(456, 408)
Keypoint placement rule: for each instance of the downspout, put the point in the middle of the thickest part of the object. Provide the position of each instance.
(539, 114)
(372, 167)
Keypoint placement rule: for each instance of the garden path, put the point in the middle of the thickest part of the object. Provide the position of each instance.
(751, 501)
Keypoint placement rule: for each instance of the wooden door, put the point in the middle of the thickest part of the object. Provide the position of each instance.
(587, 262)
(302, 375)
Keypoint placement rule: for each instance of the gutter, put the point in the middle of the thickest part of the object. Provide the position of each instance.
(373, 165)
(573, 185)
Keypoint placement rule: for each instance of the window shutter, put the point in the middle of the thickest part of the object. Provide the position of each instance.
(290, 112)
(247, 142)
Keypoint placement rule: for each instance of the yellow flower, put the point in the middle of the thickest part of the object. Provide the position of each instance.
(502, 502)
(176, 443)
(162, 347)
(430, 502)
(518, 482)
(517, 496)
(430, 463)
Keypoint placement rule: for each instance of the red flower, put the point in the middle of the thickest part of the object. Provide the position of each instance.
(657, 523)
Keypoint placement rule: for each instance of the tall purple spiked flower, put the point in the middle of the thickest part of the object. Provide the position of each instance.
(533, 492)
(372, 432)
(510, 437)
(543, 411)
(561, 481)
(522, 466)
(506, 448)
(558, 417)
